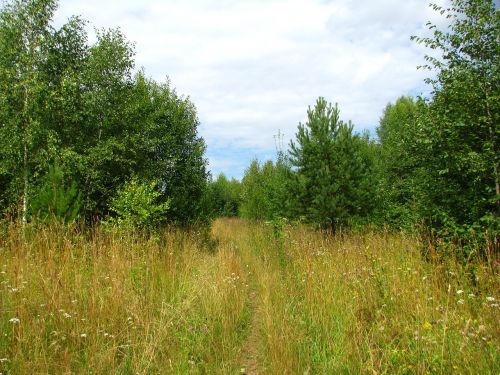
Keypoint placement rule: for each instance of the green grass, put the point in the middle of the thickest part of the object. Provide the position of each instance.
(120, 303)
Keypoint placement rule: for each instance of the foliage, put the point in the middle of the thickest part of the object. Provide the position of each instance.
(333, 168)
(224, 196)
(396, 159)
(458, 133)
(63, 99)
(137, 205)
(265, 193)
(24, 142)
(55, 199)
(169, 147)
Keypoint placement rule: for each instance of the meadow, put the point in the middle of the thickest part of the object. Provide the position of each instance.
(254, 299)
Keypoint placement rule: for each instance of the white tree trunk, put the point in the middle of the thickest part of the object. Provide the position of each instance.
(25, 189)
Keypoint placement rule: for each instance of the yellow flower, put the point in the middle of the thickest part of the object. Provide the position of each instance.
(427, 326)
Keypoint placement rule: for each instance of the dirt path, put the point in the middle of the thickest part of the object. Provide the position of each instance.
(249, 361)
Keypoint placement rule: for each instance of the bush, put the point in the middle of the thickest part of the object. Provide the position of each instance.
(137, 205)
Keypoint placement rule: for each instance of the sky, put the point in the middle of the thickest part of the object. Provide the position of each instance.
(252, 67)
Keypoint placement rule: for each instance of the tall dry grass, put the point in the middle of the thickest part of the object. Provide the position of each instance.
(370, 303)
(293, 302)
(117, 303)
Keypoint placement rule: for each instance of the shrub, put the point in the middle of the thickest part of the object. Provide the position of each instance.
(137, 205)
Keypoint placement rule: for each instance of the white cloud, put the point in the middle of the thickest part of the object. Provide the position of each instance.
(252, 67)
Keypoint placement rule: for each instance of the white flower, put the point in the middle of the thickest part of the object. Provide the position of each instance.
(471, 295)
(2, 360)
(83, 335)
(460, 291)
(66, 315)
(490, 299)
(14, 320)
(460, 301)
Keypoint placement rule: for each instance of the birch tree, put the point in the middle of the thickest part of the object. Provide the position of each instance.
(24, 32)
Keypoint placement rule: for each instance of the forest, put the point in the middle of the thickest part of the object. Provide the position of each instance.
(347, 253)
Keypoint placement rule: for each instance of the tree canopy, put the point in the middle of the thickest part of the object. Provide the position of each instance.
(81, 106)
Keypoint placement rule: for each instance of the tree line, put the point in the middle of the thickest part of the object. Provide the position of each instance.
(83, 136)
(76, 123)
(433, 164)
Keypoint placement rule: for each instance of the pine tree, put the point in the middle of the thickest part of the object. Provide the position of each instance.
(332, 168)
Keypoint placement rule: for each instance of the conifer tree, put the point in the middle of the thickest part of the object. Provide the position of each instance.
(332, 168)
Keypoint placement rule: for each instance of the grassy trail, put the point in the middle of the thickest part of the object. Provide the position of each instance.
(266, 302)
(249, 358)
(361, 304)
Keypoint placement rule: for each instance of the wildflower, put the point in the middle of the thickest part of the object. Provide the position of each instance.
(66, 315)
(490, 299)
(460, 291)
(427, 326)
(14, 320)
(83, 335)
(2, 360)
(471, 295)
(460, 301)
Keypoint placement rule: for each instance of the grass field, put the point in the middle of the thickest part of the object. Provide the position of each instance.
(295, 302)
